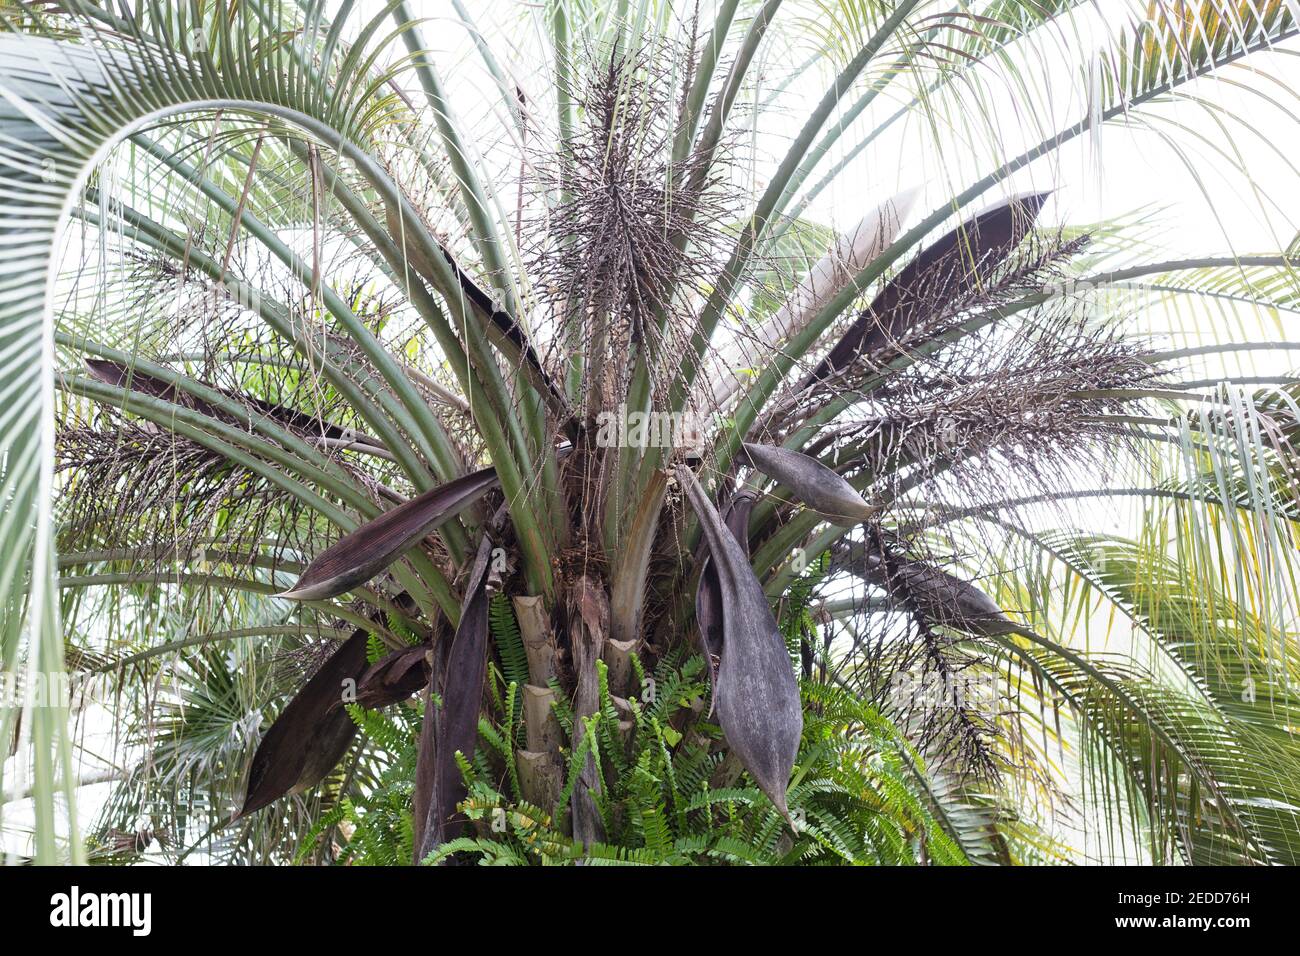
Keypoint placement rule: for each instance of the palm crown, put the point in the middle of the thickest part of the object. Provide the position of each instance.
(672, 524)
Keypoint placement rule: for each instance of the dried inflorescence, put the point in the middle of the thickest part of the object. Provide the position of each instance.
(1017, 402)
(636, 230)
(1007, 407)
(140, 492)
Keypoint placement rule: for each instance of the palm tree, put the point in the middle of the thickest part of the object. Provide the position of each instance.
(531, 476)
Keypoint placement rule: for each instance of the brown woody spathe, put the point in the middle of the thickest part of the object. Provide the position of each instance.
(357, 557)
(757, 697)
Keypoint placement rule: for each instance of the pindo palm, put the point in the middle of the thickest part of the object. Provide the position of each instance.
(568, 491)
